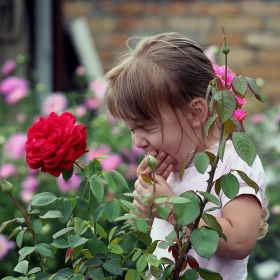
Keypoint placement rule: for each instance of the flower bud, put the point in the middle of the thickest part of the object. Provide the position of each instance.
(151, 161)
(7, 187)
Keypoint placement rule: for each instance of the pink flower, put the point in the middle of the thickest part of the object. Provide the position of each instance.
(72, 184)
(112, 162)
(220, 72)
(20, 118)
(130, 172)
(211, 52)
(14, 148)
(7, 170)
(29, 187)
(14, 89)
(277, 277)
(8, 67)
(80, 70)
(240, 101)
(98, 88)
(5, 246)
(240, 115)
(102, 150)
(257, 118)
(55, 102)
(277, 119)
(80, 111)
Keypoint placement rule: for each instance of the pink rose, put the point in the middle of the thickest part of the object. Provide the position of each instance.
(72, 184)
(7, 170)
(14, 148)
(8, 67)
(220, 72)
(257, 118)
(112, 162)
(55, 102)
(5, 246)
(240, 115)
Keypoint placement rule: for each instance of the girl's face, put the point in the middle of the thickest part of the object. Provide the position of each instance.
(171, 140)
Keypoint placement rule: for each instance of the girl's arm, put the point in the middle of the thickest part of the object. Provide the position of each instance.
(241, 224)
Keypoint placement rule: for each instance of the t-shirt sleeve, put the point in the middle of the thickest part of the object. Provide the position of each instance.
(255, 173)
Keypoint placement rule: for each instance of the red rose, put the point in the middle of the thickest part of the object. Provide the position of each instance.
(54, 143)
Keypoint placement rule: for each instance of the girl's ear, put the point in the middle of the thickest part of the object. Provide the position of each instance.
(198, 112)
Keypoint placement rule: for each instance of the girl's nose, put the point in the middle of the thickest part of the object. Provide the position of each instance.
(139, 141)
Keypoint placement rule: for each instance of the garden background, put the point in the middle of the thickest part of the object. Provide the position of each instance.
(59, 52)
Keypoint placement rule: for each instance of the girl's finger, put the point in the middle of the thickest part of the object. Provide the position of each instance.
(163, 163)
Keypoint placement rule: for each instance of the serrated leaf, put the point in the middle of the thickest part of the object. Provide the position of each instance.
(113, 267)
(96, 247)
(81, 203)
(112, 232)
(239, 85)
(101, 231)
(209, 124)
(130, 206)
(110, 180)
(37, 225)
(244, 146)
(210, 197)
(226, 104)
(67, 174)
(45, 250)
(76, 240)
(52, 214)
(120, 178)
(211, 221)
(64, 206)
(205, 242)
(42, 199)
(112, 210)
(191, 274)
(247, 180)
(82, 188)
(22, 267)
(141, 224)
(98, 212)
(61, 244)
(201, 162)
(254, 88)
(141, 263)
(62, 232)
(97, 189)
(63, 274)
(230, 185)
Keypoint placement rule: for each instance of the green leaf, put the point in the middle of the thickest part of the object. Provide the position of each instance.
(76, 240)
(67, 174)
(239, 85)
(187, 212)
(155, 271)
(141, 224)
(97, 190)
(82, 188)
(201, 162)
(183, 167)
(112, 210)
(191, 274)
(152, 247)
(247, 180)
(63, 274)
(115, 249)
(230, 185)
(130, 206)
(64, 206)
(209, 275)
(210, 197)
(93, 262)
(229, 127)
(98, 212)
(205, 241)
(9, 278)
(34, 270)
(52, 214)
(141, 263)
(110, 180)
(61, 244)
(19, 238)
(136, 255)
(178, 199)
(42, 276)
(25, 251)
(163, 211)
(244, 147)
(254, 88)
(16, 230)
(132, 274)
(226, 104)
(211, 221)
(221, 149)
(22, 267)
(96, 246)
(5, 224)
(113, 267)
(42, 199)
(112, 232)
(61, 232)
(209, 124)
(211, 156)
(37, 225)
(153, 260)
(120, 178)
(45, 250)
(96, 274)
(160, 199)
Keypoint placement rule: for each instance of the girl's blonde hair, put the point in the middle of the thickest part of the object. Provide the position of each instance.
(264, 217)
(161, 71)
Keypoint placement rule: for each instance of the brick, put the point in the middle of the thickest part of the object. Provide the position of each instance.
(266, 40)
(260, 8)
(239, 24)
(102, 24)
(140, 24)
(272, 24)
(240, 56)
(233, 39)
(271, 90)
(170, 8)
(227, 9)
(110, 42)
(76, 9)
(199, 8)
(125, 7)
(264, 71)
(270, 56)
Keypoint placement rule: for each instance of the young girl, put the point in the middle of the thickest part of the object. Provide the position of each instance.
(158, 89)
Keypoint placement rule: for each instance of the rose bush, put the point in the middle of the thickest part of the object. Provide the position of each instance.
(54, 143)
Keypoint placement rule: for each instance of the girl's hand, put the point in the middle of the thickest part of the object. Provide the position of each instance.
(164, 166)
(143, 188)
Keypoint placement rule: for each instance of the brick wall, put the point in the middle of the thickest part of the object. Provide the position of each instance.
(252, 28)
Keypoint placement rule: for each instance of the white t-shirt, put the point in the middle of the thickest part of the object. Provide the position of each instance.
(229, 269)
